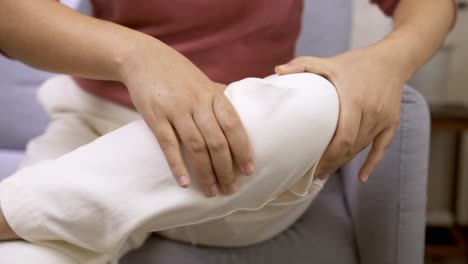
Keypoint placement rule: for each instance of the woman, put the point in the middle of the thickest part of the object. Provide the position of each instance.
(190, 107)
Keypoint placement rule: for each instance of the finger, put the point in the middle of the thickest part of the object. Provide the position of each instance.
(366, 134)
(235, 133)
(376, 154)
(218, 147)
(340, 149)
(170, 147)
(306, 64)
(198, 153)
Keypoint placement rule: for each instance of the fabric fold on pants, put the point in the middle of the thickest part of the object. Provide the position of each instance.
(89, 202)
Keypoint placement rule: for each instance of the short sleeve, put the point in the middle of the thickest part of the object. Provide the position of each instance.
(389, 6)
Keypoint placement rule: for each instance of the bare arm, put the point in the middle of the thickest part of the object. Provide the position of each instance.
(49, 36)
(369, 81)
(420, 27)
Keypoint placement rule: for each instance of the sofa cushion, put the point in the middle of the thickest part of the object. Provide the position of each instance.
(9, 161)
(323, 234)
(326, 28)
(21, 117)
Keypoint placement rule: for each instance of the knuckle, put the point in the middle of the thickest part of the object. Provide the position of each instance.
(379, 109)
(197, 145)
(348, 154)
(226, 178)
(217, 144)
(221, 105)
(358, 100)
(167, 144)
(332, 155)
(230, 125)
(346, 144)
(378, 157)
(207, 180)
(300, 59)
(385, 145)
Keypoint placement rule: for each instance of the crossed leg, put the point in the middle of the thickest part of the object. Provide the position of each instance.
(90, 202)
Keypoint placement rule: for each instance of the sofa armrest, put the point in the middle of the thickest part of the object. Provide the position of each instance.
(388, 212)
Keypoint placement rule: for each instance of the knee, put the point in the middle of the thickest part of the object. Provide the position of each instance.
(310, 114)
(290, 119)
(28, 253)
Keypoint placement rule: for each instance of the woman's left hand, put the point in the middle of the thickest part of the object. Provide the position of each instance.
(369, 83)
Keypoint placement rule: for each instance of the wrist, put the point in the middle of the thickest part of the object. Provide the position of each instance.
(142, 57)
(399, 54)
(129, 57)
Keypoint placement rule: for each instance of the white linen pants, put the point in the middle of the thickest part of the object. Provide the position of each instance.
(96, 184)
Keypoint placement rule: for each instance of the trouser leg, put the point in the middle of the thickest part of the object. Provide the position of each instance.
(89, 201)
(76, 119)
(23, 252)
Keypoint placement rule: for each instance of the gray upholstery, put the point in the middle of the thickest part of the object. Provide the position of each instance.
(392, 203)
(381, 221)
(326, 28)
(21, 117)
(9, 160)
(324, 234)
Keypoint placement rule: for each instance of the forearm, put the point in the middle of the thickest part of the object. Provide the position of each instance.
(420, 27)
(50, 36)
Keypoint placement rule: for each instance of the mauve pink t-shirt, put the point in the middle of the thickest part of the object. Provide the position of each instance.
(227, 40)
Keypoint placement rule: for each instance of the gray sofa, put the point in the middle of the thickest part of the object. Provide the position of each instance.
(381, 221)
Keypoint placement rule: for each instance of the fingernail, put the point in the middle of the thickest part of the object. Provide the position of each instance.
(184, 181)
(232, 188)
(321, 175)
(249, 168)
(364, 177)
(212, 190)
(324, 176)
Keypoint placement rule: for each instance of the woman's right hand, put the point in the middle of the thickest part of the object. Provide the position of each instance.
(172, 95)
(178, 101)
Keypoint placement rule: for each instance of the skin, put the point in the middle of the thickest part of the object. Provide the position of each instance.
(5, 231)
(214, 137)
(370, 106)
(370, 81)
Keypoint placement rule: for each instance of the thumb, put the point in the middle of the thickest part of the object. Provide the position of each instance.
(290, 67)
(305, 64)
